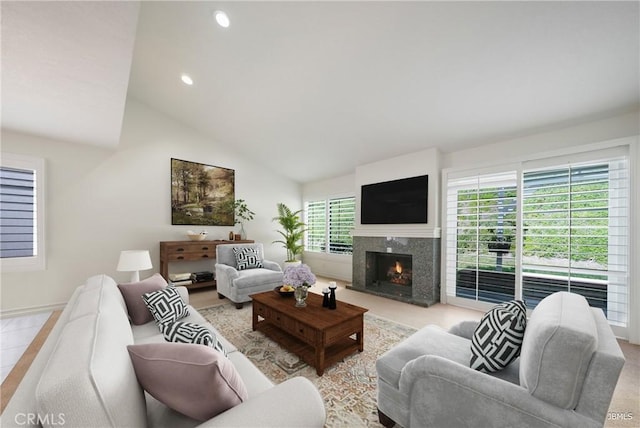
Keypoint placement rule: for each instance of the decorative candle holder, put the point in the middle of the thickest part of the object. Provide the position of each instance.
(332, 295)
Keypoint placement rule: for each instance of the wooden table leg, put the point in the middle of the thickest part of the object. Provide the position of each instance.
(254, 321)
(360, 339)
(320, 360)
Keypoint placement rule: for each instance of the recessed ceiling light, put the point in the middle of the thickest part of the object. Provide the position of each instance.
(186, 79)
(221, 18)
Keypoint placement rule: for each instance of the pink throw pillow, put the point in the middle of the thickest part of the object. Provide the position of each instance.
(195, 380)
(132, 293)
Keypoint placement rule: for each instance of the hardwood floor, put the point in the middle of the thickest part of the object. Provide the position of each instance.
(13, 379)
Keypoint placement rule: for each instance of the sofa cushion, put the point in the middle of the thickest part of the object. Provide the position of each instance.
(194, 380)
(247, 258)
(166, 305)
(132, 293)
(560, 339)
(260, 277)
(96, 288)
(497, 339)
(187, 332)
(89, 377)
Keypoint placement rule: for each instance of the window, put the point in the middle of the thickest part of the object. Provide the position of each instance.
(316, 235)
(481, 237)
(341, 219)
(21, 213)
(542, 228)
(575, 234)
(329, 224)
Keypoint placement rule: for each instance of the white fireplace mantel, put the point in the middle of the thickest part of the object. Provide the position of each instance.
(397, 230)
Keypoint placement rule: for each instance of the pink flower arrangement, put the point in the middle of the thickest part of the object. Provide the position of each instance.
(299, 275)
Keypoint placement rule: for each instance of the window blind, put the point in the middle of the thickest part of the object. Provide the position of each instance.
(481, 232)
(575, 234)
(329, 224)
(571, 234)
(341, 220)
(17, 213)
(316, 222)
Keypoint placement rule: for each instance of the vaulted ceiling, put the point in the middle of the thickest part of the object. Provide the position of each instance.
(320, 87)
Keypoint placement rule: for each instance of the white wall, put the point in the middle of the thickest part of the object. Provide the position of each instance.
(425, 162)
(562, 142)
(432, 162)
(332, 265)
(421, 163)
(100, 202)
(516, 149)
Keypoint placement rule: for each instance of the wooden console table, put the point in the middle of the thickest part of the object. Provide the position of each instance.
(319, 336)
(182, 251)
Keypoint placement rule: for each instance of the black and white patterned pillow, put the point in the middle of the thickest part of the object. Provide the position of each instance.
(188, 332)
(166, 305)
(247, 258)
(497, 340)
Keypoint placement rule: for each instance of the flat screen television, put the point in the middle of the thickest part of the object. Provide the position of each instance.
(401, 201)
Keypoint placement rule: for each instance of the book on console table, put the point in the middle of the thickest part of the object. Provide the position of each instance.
(179, 276)
(202, 276)
(183, 282)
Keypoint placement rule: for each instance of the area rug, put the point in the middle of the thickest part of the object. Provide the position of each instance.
(348, 387)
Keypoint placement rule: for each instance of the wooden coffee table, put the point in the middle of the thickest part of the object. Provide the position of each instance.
(319, 336)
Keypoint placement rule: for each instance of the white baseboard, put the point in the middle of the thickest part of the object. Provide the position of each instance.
(31, 310)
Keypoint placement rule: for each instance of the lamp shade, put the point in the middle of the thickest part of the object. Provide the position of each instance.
(133, 261)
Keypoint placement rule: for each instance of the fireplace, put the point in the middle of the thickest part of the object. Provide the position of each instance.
(405, 269)
(389, 273)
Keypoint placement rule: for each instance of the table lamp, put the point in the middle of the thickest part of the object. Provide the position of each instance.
(134, 261)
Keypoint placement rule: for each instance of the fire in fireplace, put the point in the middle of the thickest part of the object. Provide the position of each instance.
(389, 270)
(397, 274)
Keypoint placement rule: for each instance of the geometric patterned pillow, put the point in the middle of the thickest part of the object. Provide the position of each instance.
(497, 340)
(188, 332)
(165, 305)
(247, 258)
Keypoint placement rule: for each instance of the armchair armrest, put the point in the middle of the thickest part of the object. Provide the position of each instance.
(266, 409)
(464, 329)
(443, 393)
(268, 264)
(225, 275)
(225, 272)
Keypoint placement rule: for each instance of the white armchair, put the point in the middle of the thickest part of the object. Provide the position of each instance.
(238, 284)
(565, 376)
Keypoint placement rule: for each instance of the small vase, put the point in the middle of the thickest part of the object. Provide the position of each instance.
(301, 296)
(243, 234)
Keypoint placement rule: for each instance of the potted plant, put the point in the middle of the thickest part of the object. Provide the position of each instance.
(292, 232)
(242, 214)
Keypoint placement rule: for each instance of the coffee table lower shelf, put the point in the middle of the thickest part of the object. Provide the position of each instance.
(332, 353)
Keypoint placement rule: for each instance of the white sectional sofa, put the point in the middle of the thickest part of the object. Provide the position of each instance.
(83, 375)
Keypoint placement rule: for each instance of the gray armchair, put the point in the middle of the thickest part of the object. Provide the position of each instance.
(565, 376)
(238, 285)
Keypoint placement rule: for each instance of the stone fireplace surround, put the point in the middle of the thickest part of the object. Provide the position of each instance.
(425, 290)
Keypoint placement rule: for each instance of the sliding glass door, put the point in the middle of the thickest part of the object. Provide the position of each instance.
(533, 230)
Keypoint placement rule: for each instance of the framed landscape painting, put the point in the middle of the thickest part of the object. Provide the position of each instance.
(201, 194)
